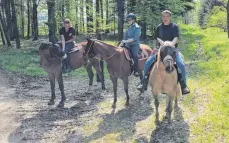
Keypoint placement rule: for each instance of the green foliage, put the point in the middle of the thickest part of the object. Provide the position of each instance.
(210, 95)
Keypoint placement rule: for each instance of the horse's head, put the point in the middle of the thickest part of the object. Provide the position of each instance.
(167, 54)
(47, 49)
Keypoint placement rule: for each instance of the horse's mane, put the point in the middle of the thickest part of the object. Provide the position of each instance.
(106, 44)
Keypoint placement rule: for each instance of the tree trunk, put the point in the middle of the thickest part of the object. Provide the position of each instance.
(89, 4)
(120, 6)
(51, 21)
(4, 29)
(22, 19)
(2, 36)
(228, 18)
(15, 28)
(114, 17)
(28, 18)
(143, 27)
(77, 20)
(62, 10)
(101, 13)
(8, 18)
(97, 16)
(35, 21)
(107, 16)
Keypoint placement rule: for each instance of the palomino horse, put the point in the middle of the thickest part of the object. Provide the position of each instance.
(118, 64)
(163, 77)
(51, 59)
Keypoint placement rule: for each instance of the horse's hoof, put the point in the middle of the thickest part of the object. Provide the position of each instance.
(60, 105)
(51, 103)
(113, 106)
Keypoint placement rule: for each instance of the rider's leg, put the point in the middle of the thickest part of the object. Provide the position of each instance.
(181, 66)
(144, 81)
(134, 52)
(68, 48)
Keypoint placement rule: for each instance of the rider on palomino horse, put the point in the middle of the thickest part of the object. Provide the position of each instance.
(132, 39)
(166, 31)
(68, 36)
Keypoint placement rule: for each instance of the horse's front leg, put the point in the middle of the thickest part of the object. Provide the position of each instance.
(90, 75)
(99, 67)
(114, 81)
(126, 82)
(156, 103)
(61, 87)
(170, 108)
(52, 85)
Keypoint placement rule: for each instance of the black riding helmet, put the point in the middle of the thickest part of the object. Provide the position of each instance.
(131, 16)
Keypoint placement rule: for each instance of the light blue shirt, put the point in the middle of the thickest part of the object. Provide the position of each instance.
(133, 31)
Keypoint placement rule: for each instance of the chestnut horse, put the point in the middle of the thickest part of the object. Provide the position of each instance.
(118, 62)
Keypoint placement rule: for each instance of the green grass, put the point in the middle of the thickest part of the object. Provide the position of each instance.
(212, 125)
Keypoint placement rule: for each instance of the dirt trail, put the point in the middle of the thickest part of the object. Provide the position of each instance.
(26, 118)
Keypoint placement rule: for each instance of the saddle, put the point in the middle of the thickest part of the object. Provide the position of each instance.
(141, 54)
(75, 49)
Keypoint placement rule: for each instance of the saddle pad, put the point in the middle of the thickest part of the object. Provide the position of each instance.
(127, 55)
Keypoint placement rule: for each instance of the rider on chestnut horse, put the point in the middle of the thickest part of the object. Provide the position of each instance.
(132, 40)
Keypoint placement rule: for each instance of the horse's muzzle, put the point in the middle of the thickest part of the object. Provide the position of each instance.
(168, 63)
(169, 69)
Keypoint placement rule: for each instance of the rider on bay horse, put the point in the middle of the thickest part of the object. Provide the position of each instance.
(166, 31)
(68, 36)
(132, 40)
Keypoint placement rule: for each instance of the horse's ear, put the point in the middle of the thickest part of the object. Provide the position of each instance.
(175, 40)
(160, 41)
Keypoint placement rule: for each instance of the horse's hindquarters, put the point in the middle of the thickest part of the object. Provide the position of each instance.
(76, 59)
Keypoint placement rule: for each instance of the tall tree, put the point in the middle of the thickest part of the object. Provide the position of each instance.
(101, 13)
(8, 18)
(89, 12)
(120, 8)
(107, 16)
(22, 19)
(97, 15)
(3, 24)
(2, 36)
(35, 20)
(28, 18)
(15, 27)
(51, 21)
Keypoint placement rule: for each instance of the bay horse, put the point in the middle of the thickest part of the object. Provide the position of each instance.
(51, 57)
(118, 62)
(164, 78)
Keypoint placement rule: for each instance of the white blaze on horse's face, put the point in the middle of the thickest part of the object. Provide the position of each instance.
(168, 59)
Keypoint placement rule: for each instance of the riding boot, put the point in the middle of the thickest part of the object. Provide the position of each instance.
(143, 85)
(185, 90)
